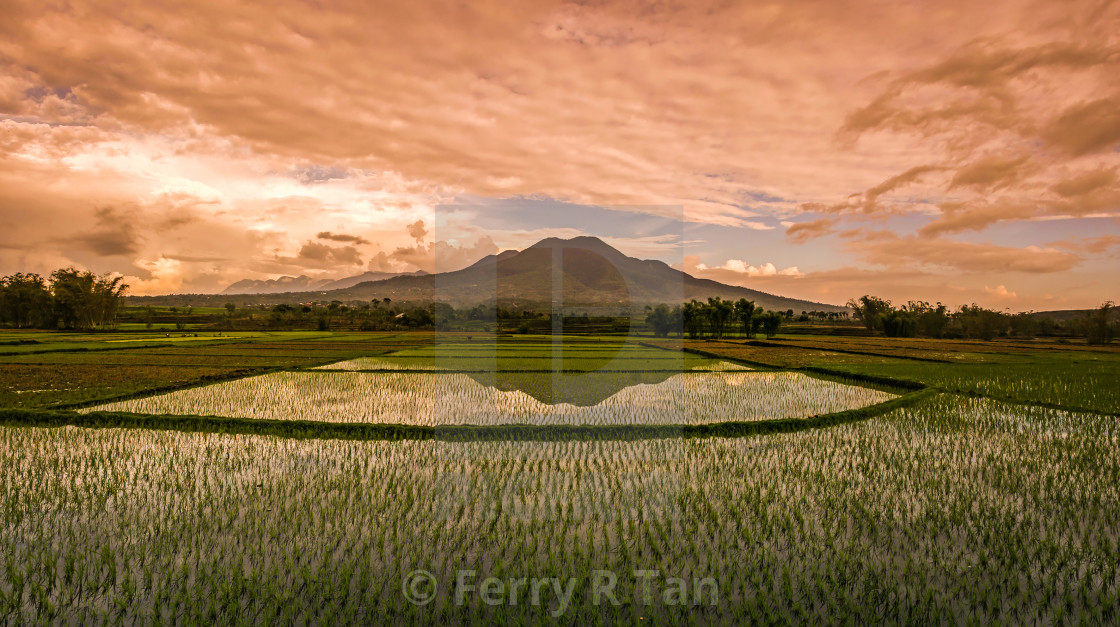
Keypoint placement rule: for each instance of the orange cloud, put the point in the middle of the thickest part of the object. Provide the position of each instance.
(988, 173)
(230, 136)
(1086, 182)
(342, 237)
(893, 251)
(801, 232)
(1086, 127)
(1000, 292)
(976, 215)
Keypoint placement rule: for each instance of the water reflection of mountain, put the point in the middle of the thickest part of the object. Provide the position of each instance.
(580, 389)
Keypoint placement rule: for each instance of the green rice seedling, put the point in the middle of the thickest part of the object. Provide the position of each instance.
(956, 510)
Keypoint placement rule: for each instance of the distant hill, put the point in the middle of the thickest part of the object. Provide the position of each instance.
(591, 273)
(364, 277)
(304, 283)
(1064, 315)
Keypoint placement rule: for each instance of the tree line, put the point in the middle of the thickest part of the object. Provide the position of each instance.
(714, 319)
(67, 299)
(387, 315)
(922, 319)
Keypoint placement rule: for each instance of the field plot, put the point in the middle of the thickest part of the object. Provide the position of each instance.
(954, 350)
(956, 511)
(66, 368)
(433, 399)
(1079, 378)
(1082, 383)
(517, 382)
(38, 385)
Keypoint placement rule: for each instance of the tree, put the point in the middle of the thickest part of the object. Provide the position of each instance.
(443, 315)
(979, 323)
(869, 310)
(676, 321)
(899, 323)
(419, 317)
(718, 312)
(771, 321)
(24, 301)
(333, 307)
(84, 300)
(690, 316)
(660, 318)
(1024, 325)
(931, 320)
(757, 320)
(744, 312)
(1098, 324)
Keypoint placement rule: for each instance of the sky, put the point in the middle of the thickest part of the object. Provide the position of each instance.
(945, 151)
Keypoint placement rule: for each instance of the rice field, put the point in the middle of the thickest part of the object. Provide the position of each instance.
(956, 511)
(950, 510)
(534, 383)
(1092, 384)
(436, 399)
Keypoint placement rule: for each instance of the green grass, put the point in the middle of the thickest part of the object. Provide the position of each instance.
(1057, 381)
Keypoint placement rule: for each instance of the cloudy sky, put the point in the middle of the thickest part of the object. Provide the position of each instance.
(953, 151)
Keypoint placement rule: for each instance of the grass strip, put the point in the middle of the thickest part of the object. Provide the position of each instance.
(871, 380)
(1019, 401)
(516, 371)
(711, 355)
(102, 349)
(848, 351)
(306, 429)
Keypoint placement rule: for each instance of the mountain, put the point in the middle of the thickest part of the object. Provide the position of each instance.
(590, 273)
(300, 283)
(304, 283)
(490, 260)
(364, 277)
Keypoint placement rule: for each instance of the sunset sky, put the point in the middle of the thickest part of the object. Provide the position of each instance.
(953, 151)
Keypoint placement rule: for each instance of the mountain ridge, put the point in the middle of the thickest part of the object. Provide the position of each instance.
(592, 274)
(304, 283)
